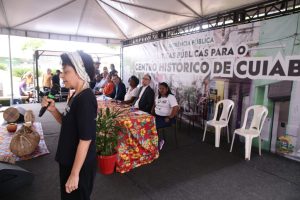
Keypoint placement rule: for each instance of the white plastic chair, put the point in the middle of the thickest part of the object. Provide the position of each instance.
(228, 106)
(259, 115)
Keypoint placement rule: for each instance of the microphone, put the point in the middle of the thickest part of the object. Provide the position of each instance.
(54, 90)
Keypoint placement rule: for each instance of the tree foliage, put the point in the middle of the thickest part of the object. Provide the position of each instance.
(20, 71)
(3, 67)
(32, 44)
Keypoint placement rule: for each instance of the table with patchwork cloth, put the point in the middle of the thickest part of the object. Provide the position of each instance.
(138, 140)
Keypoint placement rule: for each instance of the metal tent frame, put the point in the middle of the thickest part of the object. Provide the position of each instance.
(247, 14)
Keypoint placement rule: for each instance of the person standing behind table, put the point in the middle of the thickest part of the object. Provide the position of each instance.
(97, 66)
(109, 87)
(76, 150)
(165, 108)
(133, 90)
(47, 80)
(97, 85)
(119, 89)
(113, 71)
(97, 72)
(145, 98)
(56, 78)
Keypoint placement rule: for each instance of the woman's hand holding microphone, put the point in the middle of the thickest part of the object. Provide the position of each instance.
(46, 101)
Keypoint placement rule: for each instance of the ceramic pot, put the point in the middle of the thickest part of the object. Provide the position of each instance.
(11, 127)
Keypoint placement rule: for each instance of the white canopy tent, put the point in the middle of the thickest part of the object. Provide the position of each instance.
(103, 21)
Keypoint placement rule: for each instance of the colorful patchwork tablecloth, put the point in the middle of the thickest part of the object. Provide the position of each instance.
(5, 137)
(138, 141)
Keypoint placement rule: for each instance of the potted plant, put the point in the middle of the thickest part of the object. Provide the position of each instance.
(107, 139)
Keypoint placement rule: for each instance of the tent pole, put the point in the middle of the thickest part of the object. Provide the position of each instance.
(36, 56)
(10, 69)
(33, 71)
(121, 63)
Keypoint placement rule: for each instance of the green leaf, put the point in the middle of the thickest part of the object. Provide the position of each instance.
(108, 130)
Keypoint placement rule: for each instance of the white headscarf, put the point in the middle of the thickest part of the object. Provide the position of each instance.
(79, 67)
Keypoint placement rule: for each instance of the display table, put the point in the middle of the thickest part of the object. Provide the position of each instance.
(5, 137)
(138, 141)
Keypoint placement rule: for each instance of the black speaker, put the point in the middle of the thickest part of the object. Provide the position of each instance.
(13, 177)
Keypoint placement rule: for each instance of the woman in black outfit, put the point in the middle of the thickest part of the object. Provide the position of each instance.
(76, 151)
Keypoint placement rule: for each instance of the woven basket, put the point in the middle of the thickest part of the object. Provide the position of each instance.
(25, 141)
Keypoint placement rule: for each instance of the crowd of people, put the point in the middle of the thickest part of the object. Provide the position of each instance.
(49, 80)
(164, 106)
(107, 83)
(139, 94)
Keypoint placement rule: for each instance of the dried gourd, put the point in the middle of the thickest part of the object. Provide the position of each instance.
(25, 141)
(29, 116)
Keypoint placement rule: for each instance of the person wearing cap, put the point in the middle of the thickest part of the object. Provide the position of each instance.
(76, 150)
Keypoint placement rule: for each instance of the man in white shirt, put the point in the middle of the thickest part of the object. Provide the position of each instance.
(145, 98)
(103, 81)
(98, 84)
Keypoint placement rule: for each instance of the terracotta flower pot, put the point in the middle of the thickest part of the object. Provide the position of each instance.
(106, 164)
(12, 127)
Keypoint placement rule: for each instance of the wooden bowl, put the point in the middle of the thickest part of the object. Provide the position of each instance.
(11, 115)
(12, 127)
